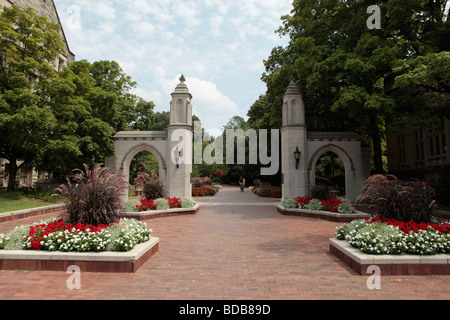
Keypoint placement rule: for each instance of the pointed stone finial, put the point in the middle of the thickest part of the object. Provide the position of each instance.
(182, 78)
(292, 88)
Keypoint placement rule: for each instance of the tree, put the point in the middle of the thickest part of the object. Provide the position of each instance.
(124, 110)
(81, 135)
(29, 43)
(91, 102)
(346, 71)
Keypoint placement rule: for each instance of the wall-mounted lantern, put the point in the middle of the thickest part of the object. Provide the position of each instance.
(178, 155)
(297, 155)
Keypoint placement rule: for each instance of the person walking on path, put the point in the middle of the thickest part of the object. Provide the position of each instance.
(242, 183)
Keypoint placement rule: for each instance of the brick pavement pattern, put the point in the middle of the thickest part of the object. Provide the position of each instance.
(236, 247)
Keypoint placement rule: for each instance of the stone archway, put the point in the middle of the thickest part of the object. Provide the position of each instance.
(134, 151)
(175, 170)
(298, 176)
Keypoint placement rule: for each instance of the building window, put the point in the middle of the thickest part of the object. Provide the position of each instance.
(419, 145)
(437, 143)
(444, 144)
(401, 148)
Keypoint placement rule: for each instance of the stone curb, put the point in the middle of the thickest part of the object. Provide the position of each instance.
(21, 214)
(405, 264)
(146, 215)
(91, 261)
(331, 216)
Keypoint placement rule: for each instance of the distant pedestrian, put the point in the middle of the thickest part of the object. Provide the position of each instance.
(242, 183)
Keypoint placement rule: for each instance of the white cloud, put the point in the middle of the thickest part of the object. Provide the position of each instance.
(212, 107)
(224, 42)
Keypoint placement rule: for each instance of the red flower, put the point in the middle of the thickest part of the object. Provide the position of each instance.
(407, 227)
(331, 204)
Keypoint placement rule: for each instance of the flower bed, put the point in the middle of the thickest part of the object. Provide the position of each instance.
(389, 264)
(331, 204)
(204, 191)
(163, 207)
(57, 235)
(266, 191)
(388, 236)
(333, 209)
(123, 246)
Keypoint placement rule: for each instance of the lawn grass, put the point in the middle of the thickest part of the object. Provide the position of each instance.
(14, 201)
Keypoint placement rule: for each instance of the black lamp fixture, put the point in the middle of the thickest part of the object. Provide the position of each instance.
(297, 154)
(178, 155)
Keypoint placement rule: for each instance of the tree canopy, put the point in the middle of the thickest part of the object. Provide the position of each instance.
(361, 78)
(28, 46)
(59, 120)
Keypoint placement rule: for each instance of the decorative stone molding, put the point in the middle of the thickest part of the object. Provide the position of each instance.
(147, 215)
(325, 215)
(111, 262)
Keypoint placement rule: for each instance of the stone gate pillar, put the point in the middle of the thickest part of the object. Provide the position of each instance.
(293, 136)
(180, 143)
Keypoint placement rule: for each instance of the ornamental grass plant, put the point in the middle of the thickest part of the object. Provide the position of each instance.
(94, 197)
(404, 201)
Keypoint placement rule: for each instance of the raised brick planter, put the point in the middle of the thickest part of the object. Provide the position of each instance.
(15, 215)
(147, 215)
(110, 262)
(404, 264)
(330, 216)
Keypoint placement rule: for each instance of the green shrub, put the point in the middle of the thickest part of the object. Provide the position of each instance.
(314, 204)
(162, 203)
(289, 203)
(130, 206)
(187, 203)
(346, 208)
(16, 239)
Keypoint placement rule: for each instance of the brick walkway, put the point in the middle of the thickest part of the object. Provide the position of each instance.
(236, 247)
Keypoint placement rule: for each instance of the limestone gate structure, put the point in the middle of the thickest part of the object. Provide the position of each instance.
(172, 148)
(300, 149)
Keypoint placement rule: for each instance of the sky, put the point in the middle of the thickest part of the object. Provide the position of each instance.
(219, 45)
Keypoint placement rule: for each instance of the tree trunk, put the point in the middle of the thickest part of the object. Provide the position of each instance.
(375, 135)
(13, 168)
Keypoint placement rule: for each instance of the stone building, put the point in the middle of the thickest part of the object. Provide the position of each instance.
(28, 176)
(419, 153)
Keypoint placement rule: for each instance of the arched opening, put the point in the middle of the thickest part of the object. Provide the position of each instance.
(144, 161)
(330, 173)
(143, 158)
(143, 167)
(334, 151)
